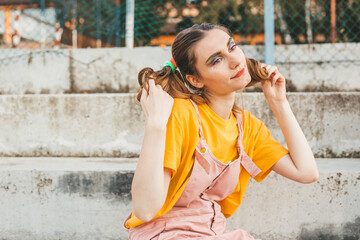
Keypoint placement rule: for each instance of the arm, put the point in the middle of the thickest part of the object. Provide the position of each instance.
(299, 165)
(151, 180)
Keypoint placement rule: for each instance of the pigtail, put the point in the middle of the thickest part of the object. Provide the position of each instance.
(257, 73)
(171, 82)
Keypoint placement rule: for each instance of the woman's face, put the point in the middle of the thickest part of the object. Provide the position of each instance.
(220, 64)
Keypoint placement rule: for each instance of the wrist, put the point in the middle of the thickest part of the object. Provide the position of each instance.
(155, 126)
(279, 107)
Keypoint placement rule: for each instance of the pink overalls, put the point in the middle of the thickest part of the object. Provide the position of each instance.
(197, 215)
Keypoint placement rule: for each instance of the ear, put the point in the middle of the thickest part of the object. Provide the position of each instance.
(195, 81)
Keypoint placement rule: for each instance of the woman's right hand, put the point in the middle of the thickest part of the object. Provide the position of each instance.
(156, 105)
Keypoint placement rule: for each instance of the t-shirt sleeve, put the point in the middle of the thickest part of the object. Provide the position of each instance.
(173, 144)
(266, 151)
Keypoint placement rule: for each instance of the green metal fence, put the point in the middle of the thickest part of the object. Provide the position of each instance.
(51, 24)
(100, 23)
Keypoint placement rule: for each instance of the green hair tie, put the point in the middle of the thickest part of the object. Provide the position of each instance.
(169, 64)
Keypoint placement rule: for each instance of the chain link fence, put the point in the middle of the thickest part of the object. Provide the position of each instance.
(332, 27)
(54, 24)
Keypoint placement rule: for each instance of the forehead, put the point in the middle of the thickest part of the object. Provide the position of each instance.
(214, 40)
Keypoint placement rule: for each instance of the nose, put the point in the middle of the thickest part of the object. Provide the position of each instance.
(234, 60)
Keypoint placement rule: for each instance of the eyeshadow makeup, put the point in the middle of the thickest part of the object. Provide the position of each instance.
(212, 60)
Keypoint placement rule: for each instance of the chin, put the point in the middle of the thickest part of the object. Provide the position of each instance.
(240, 87)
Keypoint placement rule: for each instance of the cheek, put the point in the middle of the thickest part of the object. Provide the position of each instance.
(214, 71)
(247, 75)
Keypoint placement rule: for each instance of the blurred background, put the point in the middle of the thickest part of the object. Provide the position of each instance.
(315, 35)
(102, 23)
(331, 28)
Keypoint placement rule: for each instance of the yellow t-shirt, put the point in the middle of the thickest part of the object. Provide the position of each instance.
(182, 136)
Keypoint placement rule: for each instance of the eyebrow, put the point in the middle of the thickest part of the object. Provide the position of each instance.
(218, 52)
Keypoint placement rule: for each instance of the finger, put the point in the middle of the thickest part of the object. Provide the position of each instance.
(266, 83)
(151, 85)
(143, 95)
(272, 69)
(159, 87)
(142, 101)
(275, 78)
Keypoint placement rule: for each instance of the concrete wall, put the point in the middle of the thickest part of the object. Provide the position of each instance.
(64, 198)
(315, 67)
(89, 198)
(112, 125)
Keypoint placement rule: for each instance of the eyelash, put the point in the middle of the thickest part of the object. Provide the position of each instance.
(215, 61)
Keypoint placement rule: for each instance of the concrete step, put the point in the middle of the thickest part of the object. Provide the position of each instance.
(112, 125)
(89, 198)
(307, 67)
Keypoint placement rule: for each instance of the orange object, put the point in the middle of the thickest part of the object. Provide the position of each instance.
(173, 62)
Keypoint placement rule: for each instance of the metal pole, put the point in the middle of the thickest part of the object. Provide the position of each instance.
(98, 26)
(42, 25)
(333, 20)
(269, 32)
(117, 24)
(308, 21)
(130, 15)
(73, 24)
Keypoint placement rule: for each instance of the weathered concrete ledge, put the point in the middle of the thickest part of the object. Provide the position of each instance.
(307, 67)
(112, 125)
(89, 198)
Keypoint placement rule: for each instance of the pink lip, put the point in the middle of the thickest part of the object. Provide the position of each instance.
(239, 73)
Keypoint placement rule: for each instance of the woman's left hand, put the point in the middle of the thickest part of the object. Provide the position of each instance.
(274, 87)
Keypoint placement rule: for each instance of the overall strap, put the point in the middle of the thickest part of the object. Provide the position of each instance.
(245, 160)
(240, 136)
(198, 114)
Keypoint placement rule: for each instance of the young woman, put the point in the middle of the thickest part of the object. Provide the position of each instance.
(199, 148)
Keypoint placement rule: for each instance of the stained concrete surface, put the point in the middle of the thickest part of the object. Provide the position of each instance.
(112, 125)
(89, 198)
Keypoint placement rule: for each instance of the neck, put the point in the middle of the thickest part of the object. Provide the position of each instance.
(222, 105)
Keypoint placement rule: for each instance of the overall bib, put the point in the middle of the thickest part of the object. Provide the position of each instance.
(197, 215)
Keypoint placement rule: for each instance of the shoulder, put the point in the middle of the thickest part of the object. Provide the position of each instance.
(182, 103)
(251, 124)
(247, 118)
(182, 109)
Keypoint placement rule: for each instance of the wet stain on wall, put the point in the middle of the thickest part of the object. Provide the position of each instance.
(110, 185)
(120, 184)
(348, 231)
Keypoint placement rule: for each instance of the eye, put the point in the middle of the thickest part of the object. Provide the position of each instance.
(215, 61)
(232, 46)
